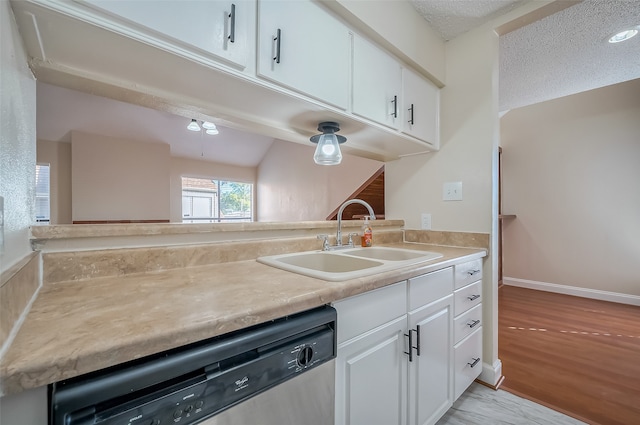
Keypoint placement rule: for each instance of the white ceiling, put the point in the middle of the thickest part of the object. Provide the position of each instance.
(454, 17)
(60, 110)
(562, 54)
(568, 53)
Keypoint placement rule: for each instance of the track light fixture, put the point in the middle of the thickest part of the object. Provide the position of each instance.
(328, 149)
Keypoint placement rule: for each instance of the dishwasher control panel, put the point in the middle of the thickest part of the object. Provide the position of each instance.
(226, 375)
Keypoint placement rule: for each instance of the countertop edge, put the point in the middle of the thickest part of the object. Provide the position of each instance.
(17, 376)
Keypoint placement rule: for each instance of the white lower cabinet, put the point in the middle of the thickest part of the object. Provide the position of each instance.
(430, 370)
(395, 363)
(371, 375)
(467, 326)
(468, 362)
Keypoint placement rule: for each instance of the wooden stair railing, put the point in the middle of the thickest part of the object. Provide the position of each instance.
(372, 192)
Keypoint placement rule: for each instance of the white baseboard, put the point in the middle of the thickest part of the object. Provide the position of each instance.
(597, 294)
(491, 374)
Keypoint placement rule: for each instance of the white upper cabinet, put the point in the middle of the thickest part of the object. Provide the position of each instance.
(223, 28)
(377, 78)
(421, 107)
(303, 47)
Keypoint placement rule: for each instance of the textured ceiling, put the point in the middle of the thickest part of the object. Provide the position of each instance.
(568, 53)
(562, 54)
(454, 17)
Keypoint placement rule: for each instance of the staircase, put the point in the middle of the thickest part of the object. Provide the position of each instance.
(372, 192)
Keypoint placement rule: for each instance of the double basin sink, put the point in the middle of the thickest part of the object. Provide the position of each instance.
(348, 263)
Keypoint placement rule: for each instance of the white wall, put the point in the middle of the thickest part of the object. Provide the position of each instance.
(115, 179)
(58, 156)
(571, 173)
(291, 187)
(203, 169)
(17, 142)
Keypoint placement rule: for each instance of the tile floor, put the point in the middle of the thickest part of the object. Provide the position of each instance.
(480, 405)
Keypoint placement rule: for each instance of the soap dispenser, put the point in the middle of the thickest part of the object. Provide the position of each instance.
(367, 233)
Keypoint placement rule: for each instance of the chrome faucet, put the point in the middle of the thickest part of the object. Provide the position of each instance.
(341, 210)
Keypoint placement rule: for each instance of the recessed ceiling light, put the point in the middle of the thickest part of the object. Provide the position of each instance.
(623, 35)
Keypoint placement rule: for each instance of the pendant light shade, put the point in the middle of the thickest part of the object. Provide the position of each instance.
(328, 149)
(193, 125)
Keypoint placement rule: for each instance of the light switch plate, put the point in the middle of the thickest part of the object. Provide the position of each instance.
(452, 191)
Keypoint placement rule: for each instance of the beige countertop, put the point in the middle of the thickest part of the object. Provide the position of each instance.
(76, 327)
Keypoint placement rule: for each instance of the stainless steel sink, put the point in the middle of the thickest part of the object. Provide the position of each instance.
(349, 263)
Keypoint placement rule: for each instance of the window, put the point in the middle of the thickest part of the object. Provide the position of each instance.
(216, 201)
(42, 193)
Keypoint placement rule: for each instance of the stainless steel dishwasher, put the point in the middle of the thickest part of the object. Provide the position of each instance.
(277, 373)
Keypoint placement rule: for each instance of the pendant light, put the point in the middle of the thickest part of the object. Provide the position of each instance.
(209, 127)
(193, 125)
(328, 149)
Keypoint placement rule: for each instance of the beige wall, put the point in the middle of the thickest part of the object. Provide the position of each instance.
(17, 143)
(291, 187)
(202, 169)
(58, 156)
(469, 143)
(114, 179)
(571, 173)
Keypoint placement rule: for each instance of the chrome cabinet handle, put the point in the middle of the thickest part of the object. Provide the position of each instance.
(277, 39)
(394, 114)
(475, 361)
(473, 297)
(232, 23)
(472, 272)
(411, 111)
(473, 324)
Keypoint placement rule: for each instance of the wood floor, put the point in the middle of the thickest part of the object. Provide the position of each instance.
(576, 355)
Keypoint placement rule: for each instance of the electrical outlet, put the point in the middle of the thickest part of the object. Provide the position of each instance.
(425, 223)
(452, 191)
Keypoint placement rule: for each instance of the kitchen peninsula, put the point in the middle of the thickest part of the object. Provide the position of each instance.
(101, 307)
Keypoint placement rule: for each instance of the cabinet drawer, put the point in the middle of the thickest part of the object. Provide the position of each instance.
(430, 287)
(468, 272)
(364, 312)
(467, 297)
(467, 363)
(466, 323)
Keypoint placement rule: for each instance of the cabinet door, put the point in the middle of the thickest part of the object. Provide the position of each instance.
(222, 27)
(377, 84)
(421, 107)
(371, 372)
(304, 47)
(431, 372)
